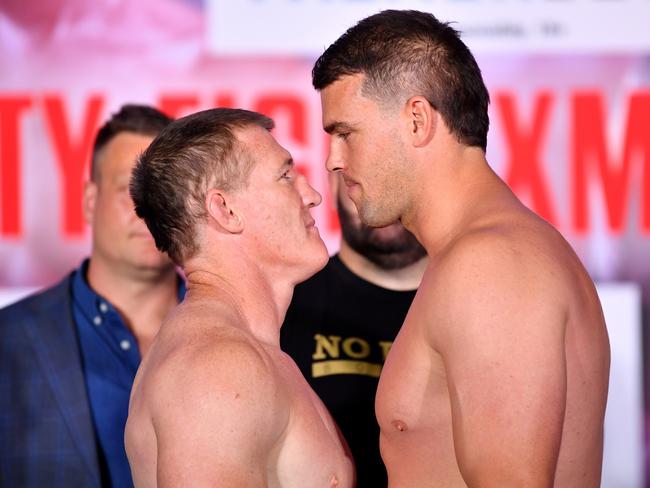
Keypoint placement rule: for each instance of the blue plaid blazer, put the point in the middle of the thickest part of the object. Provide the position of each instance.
(46, 431)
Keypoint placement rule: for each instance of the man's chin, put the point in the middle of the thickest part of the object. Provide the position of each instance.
(152, 260)
(374, 219)
(320, 258)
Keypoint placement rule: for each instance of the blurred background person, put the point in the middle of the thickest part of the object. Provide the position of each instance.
(342, 321)
(68, 355)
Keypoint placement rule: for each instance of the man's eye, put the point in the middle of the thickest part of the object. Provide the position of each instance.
(343, 135)
(287, 175)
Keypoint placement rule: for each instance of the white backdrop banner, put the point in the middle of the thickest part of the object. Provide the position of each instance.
(306, 27)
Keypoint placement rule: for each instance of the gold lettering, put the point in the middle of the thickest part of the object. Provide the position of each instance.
(344, 366)
(331, 344)
(363, 349)
(385, 347)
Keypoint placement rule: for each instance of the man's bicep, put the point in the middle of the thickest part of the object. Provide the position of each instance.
(180, 464)
(506, 370)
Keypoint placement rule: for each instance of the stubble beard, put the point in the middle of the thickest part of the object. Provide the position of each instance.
(388, 248)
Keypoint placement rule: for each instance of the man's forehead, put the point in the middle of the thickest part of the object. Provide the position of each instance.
(120, 153)
(254, 136)
(126, 142)
(340, 98)
(348, 84)
(260, 141)
(346, 87)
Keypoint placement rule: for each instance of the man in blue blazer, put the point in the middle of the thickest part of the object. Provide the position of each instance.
(68, 355)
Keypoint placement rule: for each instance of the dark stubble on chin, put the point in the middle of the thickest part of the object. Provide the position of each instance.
(394, 251)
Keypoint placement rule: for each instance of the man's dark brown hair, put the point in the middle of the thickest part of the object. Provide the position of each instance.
(137, 119)
(405, 53)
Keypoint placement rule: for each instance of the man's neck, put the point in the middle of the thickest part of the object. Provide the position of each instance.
(451, 197)
(142, 297)
(240, 285)
(402, 279)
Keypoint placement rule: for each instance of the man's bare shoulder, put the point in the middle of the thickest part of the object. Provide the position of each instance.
(507, 252)
(501, 278)
(214, 397)
(207, 358)
(497, 307)
(207, 328)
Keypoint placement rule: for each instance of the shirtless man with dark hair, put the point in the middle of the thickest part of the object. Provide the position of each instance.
(498, 377)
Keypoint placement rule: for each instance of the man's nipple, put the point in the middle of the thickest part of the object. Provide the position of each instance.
(399, 425)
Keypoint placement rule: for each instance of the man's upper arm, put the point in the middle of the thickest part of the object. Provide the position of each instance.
(218, 419)
(502, 343)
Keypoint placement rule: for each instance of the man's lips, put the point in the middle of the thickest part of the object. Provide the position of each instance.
(310, 222)
(349, 182)
(351, 187)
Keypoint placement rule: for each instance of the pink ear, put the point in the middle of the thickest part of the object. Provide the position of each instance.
(422, 119)
(89, 201)
(222, 213)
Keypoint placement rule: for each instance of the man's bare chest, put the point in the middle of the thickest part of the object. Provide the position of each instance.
(412, 392)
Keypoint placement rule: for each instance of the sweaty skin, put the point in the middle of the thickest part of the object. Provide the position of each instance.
(498, 377)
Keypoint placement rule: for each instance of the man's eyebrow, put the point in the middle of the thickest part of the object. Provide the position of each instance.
(337, 127)
(288, 163)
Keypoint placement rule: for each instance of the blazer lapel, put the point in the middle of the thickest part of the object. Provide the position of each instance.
(55, 342)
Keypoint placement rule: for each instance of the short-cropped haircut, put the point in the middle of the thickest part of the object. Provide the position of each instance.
(190, 156)
(136, 119)
(404, 53)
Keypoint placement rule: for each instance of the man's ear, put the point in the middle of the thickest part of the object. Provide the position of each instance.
(220, 208)
(421, 119)
(89, 201)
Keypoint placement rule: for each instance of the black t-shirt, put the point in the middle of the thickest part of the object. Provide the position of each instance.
(338, 329)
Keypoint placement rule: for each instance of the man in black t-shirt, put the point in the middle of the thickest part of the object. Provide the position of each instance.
(342, 322)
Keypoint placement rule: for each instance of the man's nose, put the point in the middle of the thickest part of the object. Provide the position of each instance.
(310, 197)
(335, 160)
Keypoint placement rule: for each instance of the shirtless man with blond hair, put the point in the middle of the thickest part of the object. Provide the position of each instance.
(216, 402)
(498, 377)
